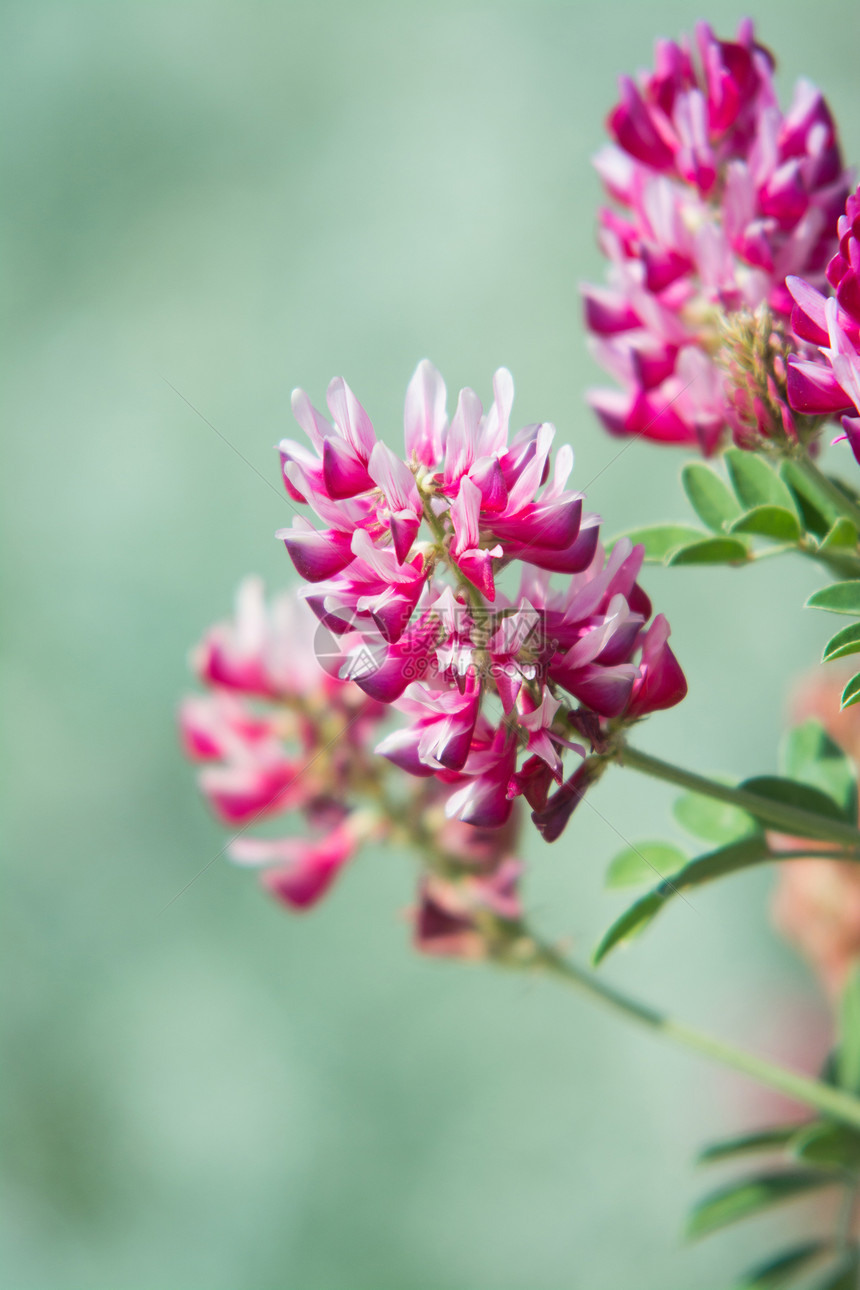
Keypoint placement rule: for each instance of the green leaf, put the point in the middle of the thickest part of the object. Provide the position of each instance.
(748, 1144)
(716, 864)
(632, 921)
(715, 550)
(770, 521)
(839, 598)
(709, 496)
(755, 483)
(750, 1196)
(848, 1054)
(846, 641)
(851, 693)
(660, 540)
(828, 1146)
(784, 1268)
(788, 792)
(843, 535)
(710, 820)
(819, 516)
(643, 863)
(809, 754)
(847, 490)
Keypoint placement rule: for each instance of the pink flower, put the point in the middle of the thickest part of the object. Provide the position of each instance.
(543, 739)
(278, 734)
(483, 798)
(595, 628)
(212, 726)
(551, 816)
(440, 735)
(660, 682)
(473, 560)
(383, 669)
(250, 788)
(828, 383)
(816, 906)
(376, 590)
(462, 906)
(343, 447)
(447, 918)
(418, 594)
(719, 195)
(301, 869)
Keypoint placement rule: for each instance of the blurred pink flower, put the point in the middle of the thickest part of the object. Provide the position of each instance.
(719, 195)
(301, 870)
(447, 920)
(276, 733)
(448, 917)
(816, 904)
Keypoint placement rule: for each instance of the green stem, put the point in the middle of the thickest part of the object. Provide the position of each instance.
(849, 857)
(827, 490)
(513, 946)
(785, 548)
(821, 1097)
(841, 564)
(778, 815)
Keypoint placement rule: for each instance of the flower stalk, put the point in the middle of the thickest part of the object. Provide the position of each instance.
(532, 954)
(824, 487)
(777, 815)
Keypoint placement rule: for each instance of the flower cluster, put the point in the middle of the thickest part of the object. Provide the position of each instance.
(828, 383)
(410, 559)
(721, 196)
(278, 733)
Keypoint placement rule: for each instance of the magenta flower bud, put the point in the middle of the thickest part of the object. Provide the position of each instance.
(552, 818)
(533, 781)
(660, 683)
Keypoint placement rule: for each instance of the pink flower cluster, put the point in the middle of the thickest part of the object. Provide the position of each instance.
(721, 196)
(828, 383)
(276, 734)
(410, 557)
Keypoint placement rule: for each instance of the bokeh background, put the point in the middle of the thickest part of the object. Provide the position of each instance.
(232, 200)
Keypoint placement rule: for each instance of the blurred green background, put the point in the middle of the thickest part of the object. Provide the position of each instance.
(236, 199)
